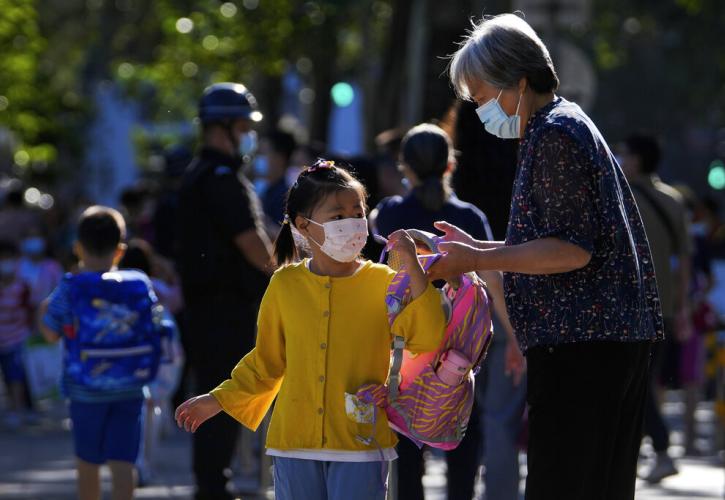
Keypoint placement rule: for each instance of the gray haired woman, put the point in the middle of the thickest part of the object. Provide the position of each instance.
(578, 276)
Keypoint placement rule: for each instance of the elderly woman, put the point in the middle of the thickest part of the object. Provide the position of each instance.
(579, 281)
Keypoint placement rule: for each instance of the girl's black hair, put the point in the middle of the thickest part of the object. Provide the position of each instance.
(427, 150)
(313, 185)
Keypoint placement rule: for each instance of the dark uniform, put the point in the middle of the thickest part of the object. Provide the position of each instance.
(222, 292)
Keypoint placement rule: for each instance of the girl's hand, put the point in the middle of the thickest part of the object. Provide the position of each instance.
(195, 411)
(405, 246)
(453, 233)
(403, 243)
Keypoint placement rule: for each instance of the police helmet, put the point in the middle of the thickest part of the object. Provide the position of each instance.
(228, 101)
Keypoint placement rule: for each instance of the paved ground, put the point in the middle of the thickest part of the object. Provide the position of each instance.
(36, 462)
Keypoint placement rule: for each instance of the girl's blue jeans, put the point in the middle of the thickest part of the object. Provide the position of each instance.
(299, 479)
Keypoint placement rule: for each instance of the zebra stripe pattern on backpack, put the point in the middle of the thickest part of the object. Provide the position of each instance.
(429, 397)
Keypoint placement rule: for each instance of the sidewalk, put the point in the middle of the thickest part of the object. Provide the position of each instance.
(37, 463)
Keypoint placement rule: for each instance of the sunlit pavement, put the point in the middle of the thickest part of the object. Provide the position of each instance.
(36, 462)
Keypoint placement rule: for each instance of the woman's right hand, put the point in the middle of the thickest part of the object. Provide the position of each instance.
(195, 411)
(453, 233)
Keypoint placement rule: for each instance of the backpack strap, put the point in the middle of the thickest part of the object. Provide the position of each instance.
(396, 298)
(394, 380)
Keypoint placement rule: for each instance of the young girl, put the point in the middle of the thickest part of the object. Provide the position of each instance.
(323, 332)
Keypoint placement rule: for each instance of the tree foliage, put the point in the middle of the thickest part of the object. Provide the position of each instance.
(25, 110)
(163, 53)
(664, 61)
(658, 63)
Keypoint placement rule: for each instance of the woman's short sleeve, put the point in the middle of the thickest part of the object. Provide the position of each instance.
(563, 191)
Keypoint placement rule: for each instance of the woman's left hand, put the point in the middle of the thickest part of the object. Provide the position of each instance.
(457, 259)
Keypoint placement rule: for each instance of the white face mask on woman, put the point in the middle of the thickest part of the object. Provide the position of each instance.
(344, 239)
(497, 122)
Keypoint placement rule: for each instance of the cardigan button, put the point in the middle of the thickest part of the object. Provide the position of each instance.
(322, 378)
(326, 313)
(319, 411)
(327, 285)
(323, 346)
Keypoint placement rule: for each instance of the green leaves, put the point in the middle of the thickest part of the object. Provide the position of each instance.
(163, 53)
(21, 111)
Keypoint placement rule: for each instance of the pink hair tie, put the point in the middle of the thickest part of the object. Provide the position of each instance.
(321, 164)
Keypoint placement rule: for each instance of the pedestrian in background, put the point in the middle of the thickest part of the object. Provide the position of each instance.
(427, 162)
(90, 311)
(16, 313)
(16, 217)
(578, 274)
(665, 219)
(272, 162)
(157, 409)
(224, 259)
(484, 176)
(41, 272)
(705, 320)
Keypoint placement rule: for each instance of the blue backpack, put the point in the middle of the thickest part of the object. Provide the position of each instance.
(114, 342)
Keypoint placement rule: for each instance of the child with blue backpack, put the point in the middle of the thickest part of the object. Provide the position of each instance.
(111, 326)
(323, 332)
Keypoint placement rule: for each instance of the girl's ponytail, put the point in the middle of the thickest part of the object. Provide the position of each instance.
(427, 150)
(285, 249)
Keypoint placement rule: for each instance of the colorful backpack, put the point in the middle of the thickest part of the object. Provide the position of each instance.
(429, 397)
(115, 340)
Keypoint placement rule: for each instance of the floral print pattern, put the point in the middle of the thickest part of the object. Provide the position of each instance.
(569, 186)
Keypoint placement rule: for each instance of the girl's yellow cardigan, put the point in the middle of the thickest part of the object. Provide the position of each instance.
(318, 338)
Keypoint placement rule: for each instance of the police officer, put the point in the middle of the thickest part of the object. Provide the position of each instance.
(224, 259)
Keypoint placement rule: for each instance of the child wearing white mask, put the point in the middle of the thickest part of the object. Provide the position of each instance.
(36, 268)
(323, 331)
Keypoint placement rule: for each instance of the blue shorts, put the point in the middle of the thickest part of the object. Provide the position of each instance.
(11, 364)
(107, 431)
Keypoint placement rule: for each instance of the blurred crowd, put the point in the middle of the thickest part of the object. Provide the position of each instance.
(36, 247)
